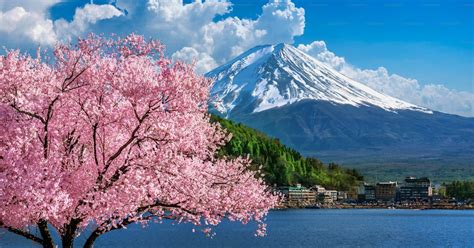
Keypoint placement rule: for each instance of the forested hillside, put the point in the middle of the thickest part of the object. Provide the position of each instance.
(283, 165)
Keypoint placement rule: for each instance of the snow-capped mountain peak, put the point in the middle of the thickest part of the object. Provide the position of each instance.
(270, 76)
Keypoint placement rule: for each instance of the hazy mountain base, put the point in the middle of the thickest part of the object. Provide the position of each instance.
(382, 144)
(375, 167)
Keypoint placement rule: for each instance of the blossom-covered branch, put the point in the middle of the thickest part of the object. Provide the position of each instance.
(105, 131)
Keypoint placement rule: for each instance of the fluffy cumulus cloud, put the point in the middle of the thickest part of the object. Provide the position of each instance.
(318, 50)
(281, 20)
(195, 31)
(84, 17)
(41, 6)
(207, 34)
(202, 61)
(17, 23)
(432, 96)
(27, 22)
(194, 25)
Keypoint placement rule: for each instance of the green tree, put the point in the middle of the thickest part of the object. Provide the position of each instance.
(283, 165)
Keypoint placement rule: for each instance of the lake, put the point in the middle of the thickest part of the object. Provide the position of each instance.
(305, 228)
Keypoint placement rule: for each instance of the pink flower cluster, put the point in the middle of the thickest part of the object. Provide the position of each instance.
(111, 132)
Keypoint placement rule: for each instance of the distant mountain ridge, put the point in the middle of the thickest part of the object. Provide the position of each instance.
(316, 110)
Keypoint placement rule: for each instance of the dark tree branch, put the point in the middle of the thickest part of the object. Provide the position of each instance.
(71, 227)
(110, 160)
(129, 220)
(125, 167)
(49, 115)
(67, 237)
(133, 135)
(94, 140)
(47, 239)
(23, 234)
(30, 114)
(66, 89)
(120, 171)
(116, 176)
(72, 72)
(73, 76)
(98, 231)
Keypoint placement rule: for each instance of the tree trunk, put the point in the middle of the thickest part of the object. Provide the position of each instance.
(47, 240)
(67, 242)
(90, 241)
(67, 239)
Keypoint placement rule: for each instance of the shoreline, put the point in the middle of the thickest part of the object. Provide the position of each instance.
(394, 207)
(365, 208)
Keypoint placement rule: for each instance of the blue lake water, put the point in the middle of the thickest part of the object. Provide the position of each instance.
(305, 228)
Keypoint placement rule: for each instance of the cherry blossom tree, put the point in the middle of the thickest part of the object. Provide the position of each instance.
(109, 132)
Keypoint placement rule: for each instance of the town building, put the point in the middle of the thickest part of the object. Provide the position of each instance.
(298, 195)
(416, 189)
(369, 191)
(325, 198)
(352, 193)
(318, 189)
(385, 191)
(341, 195)
(332, 194)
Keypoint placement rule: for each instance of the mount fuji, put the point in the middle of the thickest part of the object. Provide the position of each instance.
(313, 108)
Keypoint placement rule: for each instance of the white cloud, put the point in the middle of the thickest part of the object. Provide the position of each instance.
(281, 20)
(197, 25)
(20, 24)
(318, 50)
(39, 6)
(27, 22)
(203, 62)
(194, 25)
(176, 24)
(83, 17)
(433, 96)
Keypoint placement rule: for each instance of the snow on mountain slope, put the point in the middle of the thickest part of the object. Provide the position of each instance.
(271, 76)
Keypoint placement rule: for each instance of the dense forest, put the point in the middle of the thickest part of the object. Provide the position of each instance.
(283, 165)
(460, 190)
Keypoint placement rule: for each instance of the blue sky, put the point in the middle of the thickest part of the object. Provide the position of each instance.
(431, 41)
(419, 51)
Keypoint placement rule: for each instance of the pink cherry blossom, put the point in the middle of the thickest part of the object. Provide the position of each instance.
(109, 132)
